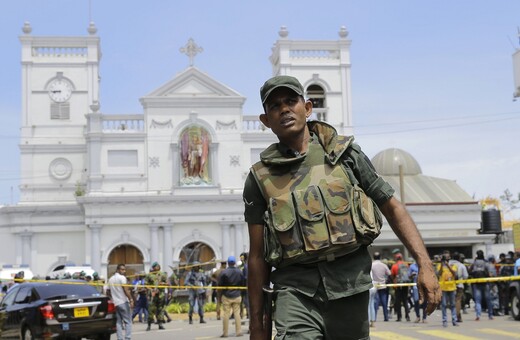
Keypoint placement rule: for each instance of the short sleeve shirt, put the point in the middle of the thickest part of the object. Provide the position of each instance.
(116, 289)
(345, 276)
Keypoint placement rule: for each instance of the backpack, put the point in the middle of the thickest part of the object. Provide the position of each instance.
(403, 275)
(479, 269)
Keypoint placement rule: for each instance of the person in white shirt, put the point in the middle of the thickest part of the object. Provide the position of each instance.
(380, 274)
(123, 300)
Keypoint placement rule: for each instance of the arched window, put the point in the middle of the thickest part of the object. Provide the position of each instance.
(195, 142)
(316, 95)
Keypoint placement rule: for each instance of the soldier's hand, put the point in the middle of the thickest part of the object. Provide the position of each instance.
(429, 289)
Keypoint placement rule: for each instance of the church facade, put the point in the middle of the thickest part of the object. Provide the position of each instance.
(164, 185)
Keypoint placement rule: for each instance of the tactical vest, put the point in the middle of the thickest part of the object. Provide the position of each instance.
(314, 210)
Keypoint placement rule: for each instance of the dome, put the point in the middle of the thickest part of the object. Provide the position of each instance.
(387, 163)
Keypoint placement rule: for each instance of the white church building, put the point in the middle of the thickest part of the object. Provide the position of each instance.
(166, 185)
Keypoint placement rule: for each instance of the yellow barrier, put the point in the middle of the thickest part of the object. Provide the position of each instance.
(99, 284)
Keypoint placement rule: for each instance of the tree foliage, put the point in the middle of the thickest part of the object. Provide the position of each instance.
(509, 201)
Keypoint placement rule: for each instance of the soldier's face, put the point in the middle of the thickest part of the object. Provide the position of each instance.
(286, 113)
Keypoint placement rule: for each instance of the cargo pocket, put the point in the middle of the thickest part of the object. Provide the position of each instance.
(338, 202)
(272, 247)
(283, 220)
(369, 220)
(313, 227)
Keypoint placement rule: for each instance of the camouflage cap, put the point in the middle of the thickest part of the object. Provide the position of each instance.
(280, 81)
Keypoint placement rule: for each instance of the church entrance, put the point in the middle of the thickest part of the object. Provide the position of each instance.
(195, 251)
(128, 255)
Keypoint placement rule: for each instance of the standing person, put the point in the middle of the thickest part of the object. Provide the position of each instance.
(380, 274)
(516, 269)
(156, 295)
(245, 297)
(462, 274)
(197, 295)
(123, 300)
(400, 274)
(321, 283)
(480, 269)
(231, 298)
(214, 283)
(417, 304)
(506, 270)
(447, 274)
(372, 292)
(141, 306)
(493, 287)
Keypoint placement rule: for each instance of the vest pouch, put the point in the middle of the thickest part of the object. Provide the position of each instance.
(337, 196)
(311, 221)
(283, 220)
(367, 217)
(272, 247)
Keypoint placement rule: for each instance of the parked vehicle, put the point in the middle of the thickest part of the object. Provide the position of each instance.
(70, 270)
(56, 309)
(9, 273)
(514, 297)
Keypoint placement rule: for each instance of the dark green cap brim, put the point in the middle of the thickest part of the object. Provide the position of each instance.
(280, 81)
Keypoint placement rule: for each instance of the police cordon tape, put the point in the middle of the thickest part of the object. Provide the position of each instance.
(474, 280)
(101, 284)
(411, 284)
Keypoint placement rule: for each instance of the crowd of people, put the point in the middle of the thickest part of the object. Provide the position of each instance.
(394, 289)
(150, 302)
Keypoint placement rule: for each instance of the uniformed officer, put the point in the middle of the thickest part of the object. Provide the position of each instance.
(197, 295)
(322, 196)
(156, 295)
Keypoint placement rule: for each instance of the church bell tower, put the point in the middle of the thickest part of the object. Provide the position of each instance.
(60, 81)
(323, 68)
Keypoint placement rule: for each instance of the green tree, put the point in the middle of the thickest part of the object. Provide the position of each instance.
(509, 201)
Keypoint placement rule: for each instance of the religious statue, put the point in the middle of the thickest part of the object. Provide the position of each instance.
(194, 156)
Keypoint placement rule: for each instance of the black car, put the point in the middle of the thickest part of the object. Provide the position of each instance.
(68, 309)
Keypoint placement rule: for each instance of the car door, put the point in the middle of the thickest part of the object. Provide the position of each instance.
(20, 309)
(7, 325)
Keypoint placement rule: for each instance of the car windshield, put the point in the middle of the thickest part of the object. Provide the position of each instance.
(64, 290)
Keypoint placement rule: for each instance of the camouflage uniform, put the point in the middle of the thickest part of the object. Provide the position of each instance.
(156, 297)
(344, 281)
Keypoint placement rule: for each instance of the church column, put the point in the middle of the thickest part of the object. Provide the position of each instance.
(176, 172)
(154, 243)
(168, 253)
(225, 240)
(214, 164)
(239, 239)
(26, 247)
(95, 246)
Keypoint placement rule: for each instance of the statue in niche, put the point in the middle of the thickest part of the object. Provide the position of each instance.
(194, 156)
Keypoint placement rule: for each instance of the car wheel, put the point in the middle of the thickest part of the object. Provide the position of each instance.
(515, 304)
(104, 336)
(27, 334)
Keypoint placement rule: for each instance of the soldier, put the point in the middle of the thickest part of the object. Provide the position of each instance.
(196, 278)
(156, 296)
(321, 195)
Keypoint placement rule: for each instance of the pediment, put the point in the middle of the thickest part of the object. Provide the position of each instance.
(193, 83)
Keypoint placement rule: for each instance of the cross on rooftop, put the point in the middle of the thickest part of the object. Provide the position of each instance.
(191, 49)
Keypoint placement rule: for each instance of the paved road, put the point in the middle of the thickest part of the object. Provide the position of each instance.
(502, 327)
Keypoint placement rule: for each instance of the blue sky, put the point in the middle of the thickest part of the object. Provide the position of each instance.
(433, 78)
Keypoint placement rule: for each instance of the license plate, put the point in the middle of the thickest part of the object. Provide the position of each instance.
(81, 312)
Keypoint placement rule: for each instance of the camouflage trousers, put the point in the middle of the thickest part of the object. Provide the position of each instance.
(156, 309)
